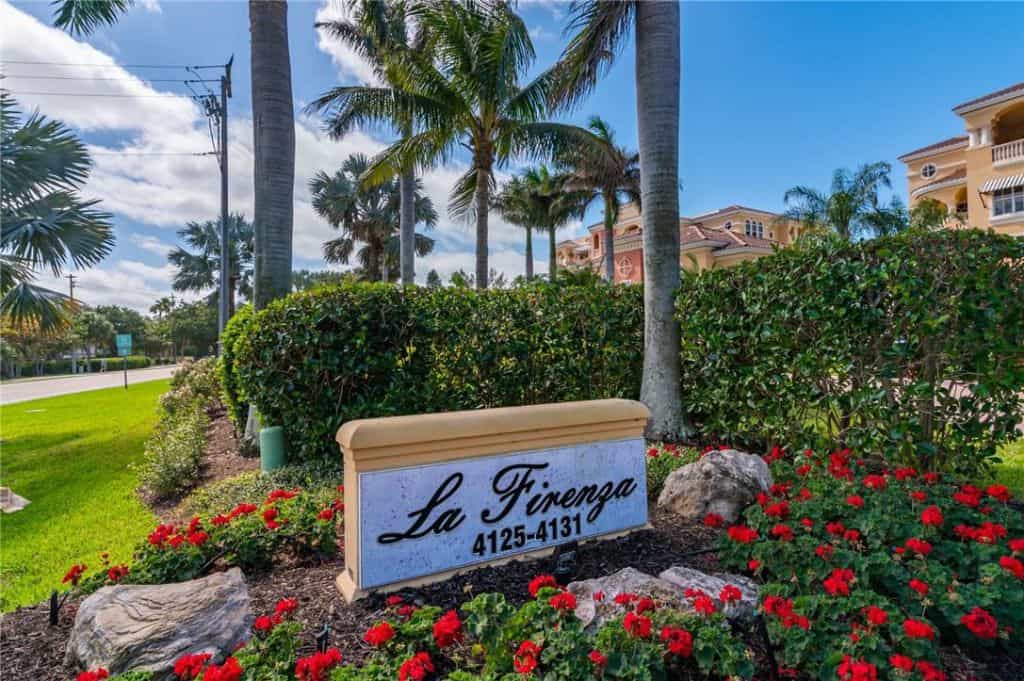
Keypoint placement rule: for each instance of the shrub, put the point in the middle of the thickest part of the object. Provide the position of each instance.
(316, 359)
(198, 380)
(661, 461)
(252, 536)
(236, 327)
(861, 565)
(174, 451)
(319, 479)
(909, 346)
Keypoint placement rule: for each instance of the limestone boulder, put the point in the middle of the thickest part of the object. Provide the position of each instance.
(597, 610)
(723, 482)
(687, 578)
(147, 628)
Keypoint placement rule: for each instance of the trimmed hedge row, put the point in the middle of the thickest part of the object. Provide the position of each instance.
(314, 360)
(910, 346)
(55, 367)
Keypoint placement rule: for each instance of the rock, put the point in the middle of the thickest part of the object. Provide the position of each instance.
(722, 482)
(687, 578)
(626, 580)
(147, 628)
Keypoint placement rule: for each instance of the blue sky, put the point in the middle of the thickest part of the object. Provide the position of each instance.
(773, 95)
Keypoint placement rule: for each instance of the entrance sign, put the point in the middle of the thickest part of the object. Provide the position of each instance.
(124, 344)
(427, 496)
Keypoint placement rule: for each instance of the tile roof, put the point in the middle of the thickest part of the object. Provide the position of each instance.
(722, 238)
(992, 95)
(729, 209)
(959, 139)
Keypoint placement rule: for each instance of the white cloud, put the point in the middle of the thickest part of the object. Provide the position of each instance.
(538, 32)
(351, 66)
(152, 6)
(151, 244)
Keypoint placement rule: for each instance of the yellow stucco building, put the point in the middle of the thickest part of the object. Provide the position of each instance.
(720, 238)
(979, 176)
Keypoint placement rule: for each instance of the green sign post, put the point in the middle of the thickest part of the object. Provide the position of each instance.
(124, 348)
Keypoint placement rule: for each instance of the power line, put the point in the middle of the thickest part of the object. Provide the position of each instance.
(92, 94)
(88, 78)
(114, 66)
(153, 153)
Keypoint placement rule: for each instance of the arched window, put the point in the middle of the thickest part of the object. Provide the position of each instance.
(928, 170)
(754, 228)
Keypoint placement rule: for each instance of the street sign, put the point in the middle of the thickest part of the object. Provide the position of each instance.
(124, 344)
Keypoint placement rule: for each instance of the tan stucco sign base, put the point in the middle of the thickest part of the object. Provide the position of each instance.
(432, 495)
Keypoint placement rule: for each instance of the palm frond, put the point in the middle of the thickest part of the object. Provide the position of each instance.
(601, 29)
(82, 17)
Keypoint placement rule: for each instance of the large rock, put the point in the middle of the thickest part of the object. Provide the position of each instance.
(626, 580)
(722, 482)
(687, 578)
(147, 628)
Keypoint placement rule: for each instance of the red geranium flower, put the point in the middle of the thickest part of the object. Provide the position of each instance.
(777, 510)
(315, 667)
(285, 606)
(855, 500)
(968, 495)
(394, 600)
(783, 532)
(541, 581)
(919, 546)
(875, 482)
(905, 473)
(836, 528)
(919, 495)
(919, 586)
(679, 641)
(625, 598)
(1017, 545)
(856, 670)
(714, 520)
(742, 534)
(643, 605)
(448, 629)
(270, 519)
(902, 662)
(93, 675)
(74, 574)
(597, 658)
(416, 668)
(876, 615)
(932, 516)
(637, 625)
(917, 629)
(730, 593)
(999, 492)
(229, 671)
(326, 514)
(563, 601)
(1013, 566)
(525, 659)
(929, 672)
(981, 623)
(265, 623)
(838, 583)
(117, 572)
(753, 564)
(188, 667)
(379, 634)
(824, 551)
(931, 478)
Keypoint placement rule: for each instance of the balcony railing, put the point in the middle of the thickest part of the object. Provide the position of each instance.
(1011, 152)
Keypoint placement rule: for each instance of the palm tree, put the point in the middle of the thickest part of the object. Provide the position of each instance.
(888, 220)
(609, 173)
(46, 222)
(602, 29)
(273, 149)
(845, 209)
(514, 204)
(375, 30)
(464, 90)
(553, 205)
(369, 215)
(200, 270)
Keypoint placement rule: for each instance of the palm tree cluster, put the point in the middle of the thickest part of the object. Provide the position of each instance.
(47, 224)
(198, 269)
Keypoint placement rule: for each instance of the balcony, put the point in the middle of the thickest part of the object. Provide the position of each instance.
(1006, 154)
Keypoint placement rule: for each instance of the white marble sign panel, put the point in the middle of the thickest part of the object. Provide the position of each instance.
(421, 520)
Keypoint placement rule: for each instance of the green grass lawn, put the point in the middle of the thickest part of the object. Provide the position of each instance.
(1011, 471)
(71, 457)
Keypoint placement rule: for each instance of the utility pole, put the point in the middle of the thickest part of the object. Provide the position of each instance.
(174, 348)
(74, 352)
(225, 253)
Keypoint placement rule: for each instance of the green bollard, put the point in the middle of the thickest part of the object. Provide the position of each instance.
(272, 452)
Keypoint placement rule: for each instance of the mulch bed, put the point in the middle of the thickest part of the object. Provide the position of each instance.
(34, 650)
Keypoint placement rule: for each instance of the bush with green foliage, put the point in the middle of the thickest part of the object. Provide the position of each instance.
(236, 327)
(174, 452)
(909, 346)
(662, 459)
(314, 360)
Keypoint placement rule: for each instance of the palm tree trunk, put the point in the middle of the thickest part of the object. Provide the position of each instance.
(529, 253)
(552, 260)
(657, 97)
(274, 147)
(483, 201)
(609, 239)
(232, 285)
(407, 227)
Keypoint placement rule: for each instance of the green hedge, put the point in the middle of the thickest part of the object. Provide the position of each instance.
(314, 360)
(867, 344)
(55, 367)
(236, 327)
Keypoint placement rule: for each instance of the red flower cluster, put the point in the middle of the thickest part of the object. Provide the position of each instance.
(281, 495)
(981, 623)
(702, 603)
(327, 514)
(643, 605)
(918, 546)
(730, 593)
(998, 492)
(783, 609)
(116, 573)
(188, 667)
(541, 581)
(838, 583)
(270, 516)
(919, 495)
(905, 473)
(777, 510)
(637, 625)
(625, 598)
(679, 641)
(839, 465)
(93, 675)
(856, 670)
(563, 601)
(525, 659)
(315, 667)
(1013, 566)
(917, 629)
(932, 516)
(986, 533)
(855, 500)
(597, 658)
(74, 574)
(265, 623)
(379, 634)
(448, 629)
(229, 671)
(714, 520)
(875, 482)
(875, 615)
(416, 668)
(783, 532)
(968, 495)
(1017, 545)
(742, 534)
(919, 586)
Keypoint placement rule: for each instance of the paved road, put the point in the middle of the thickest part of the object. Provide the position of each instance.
(31, 389)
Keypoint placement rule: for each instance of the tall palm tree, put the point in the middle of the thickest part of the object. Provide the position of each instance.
(200, 270)
(609, 173)
(375, 30)
(369, 215)
(515, 205)
(602, 29)
(274, 150)
(464, 90)
(46, 222)
(846, 207)
(553, 206)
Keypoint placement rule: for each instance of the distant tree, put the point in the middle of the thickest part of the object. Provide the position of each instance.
(460, 279)
(434, 279)
(847, 208)
(198, 269)
(886, 220)
(124, 320)
(303, 280)
(194, 327)
(47, 225)
(94, 330)
(930, 214)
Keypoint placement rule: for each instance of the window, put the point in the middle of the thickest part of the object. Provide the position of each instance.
(928, 170)
(728, 225)
(1006, 201)
(754, 228)
(597, 243)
